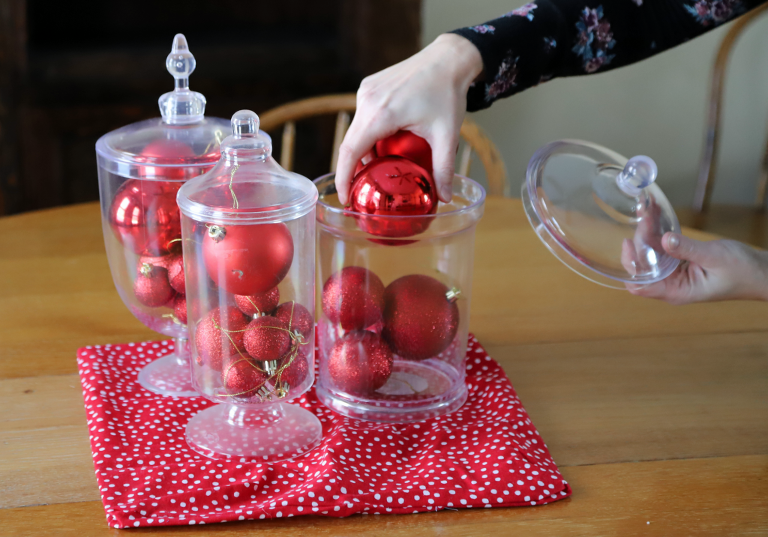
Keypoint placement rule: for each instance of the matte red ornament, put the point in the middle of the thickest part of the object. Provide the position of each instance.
(297, 317)
(243, 378)
(296, 373)
(248, 259)
(156, 261)
(360, 363)
(151, 286)
(176, 273)
(180, 308)
(393, 186)
(353, 297)
(166, 152)
(420, 316)
(144, 216)
(407, 145)
(220, 336)
(267, 338)
(259, 303)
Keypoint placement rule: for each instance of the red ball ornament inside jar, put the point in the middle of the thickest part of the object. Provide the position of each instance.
(393, 186)
(407, 145)
(170, 154)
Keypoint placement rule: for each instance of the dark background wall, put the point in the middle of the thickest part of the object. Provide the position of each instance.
(70, 72)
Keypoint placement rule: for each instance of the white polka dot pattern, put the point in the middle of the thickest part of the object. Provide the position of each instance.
(487, 454)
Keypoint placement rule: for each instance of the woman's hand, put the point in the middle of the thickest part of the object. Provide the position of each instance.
(425, 94)
(710, 271)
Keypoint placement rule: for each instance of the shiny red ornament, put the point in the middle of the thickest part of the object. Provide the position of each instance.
(360, 363)
(259, 303)
(180, 308)
(296, 373)
(420, 316)
(297, 317)
(151, 286)
(267, 338)
(176, 273)
(248, 259)
(407, 145)
(393, 186)
(353, 297)
(242, 378)
(144, 216)
(164, 151)
(220, 336)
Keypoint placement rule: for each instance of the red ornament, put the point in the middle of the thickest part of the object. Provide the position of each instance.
(258, 304)
(155, 261)
(144, 216)
(407, 145)
(393, 186)
(296, 373)
(360, 363)
(151, 286)
(243, 378)
(297, 317)
(353, 297)
(164, 151)
(180, 308)
(420, 316)
(217, 337)
(248, 259)
(176, 273)
(267, 338)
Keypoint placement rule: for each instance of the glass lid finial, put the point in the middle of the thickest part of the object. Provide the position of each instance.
(181, 106)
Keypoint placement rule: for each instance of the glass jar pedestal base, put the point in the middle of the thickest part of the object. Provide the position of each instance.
(415, 391)
(171, 374)
(261, 434)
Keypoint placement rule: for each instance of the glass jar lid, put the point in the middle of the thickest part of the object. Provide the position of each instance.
(247, 184)
(602, 215)
(182, 138)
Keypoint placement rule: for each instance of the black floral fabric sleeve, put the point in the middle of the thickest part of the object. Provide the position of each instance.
(556, 38)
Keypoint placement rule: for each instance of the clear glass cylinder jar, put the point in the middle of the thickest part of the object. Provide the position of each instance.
(394, 316)
(141, 168)
(248, 230)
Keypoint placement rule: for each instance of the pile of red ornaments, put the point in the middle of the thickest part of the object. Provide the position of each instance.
(413, 318)
(256, 347)
(160, 283)
(396, 182)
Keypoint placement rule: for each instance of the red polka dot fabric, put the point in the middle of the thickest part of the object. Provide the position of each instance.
(487, 454)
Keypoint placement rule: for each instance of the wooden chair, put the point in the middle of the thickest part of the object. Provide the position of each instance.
(344, 105)
(736, 222)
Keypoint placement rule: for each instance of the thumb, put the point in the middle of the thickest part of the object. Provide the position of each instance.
(686, 249)
(444, 146)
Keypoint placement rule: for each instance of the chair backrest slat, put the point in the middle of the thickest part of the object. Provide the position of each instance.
(466, 160)
(342, 124)
(289, 138)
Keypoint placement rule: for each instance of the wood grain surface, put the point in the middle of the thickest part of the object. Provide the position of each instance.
(657, 415)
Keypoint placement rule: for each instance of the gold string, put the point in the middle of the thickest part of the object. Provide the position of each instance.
(235, 204)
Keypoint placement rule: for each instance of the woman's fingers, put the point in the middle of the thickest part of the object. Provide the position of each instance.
(357, 143)
(687, 249)
(443, 143)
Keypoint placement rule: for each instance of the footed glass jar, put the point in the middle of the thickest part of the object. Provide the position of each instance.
(141, 168)
(394, 293)
(248, 229)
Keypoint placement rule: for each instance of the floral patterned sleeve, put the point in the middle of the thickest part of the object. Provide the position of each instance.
(554, 38)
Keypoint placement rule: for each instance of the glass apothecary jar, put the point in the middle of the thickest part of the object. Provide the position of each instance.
(248, 230)
(394, 293)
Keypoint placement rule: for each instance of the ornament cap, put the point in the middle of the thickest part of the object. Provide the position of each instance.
(181, 106)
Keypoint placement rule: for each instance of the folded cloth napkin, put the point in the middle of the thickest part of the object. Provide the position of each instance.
(487, 454)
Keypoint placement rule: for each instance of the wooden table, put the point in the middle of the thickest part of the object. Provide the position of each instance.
(657, 415)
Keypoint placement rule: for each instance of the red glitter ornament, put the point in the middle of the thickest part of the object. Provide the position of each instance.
(420, 316)
(360, 363)
(353, 297)
(259, 303)
(166, 152)
(217, 336)
(156, 261)
(296, 373)
(407, 145)
(144, 216)
(151, 286)
(176, 273)
(248, 259)
(243, 378)
(393, 186)
(297, 317)
(180, 308)
(267, 338)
